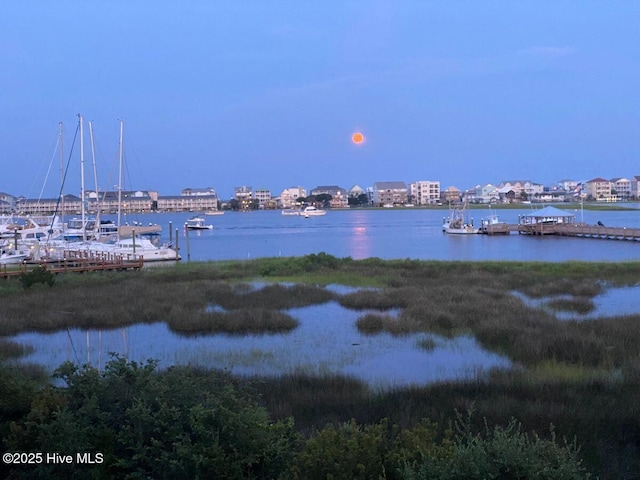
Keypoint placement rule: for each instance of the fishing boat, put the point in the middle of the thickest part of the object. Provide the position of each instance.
(197, 223)
(458, 223)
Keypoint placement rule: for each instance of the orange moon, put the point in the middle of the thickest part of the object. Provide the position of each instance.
(357, 138)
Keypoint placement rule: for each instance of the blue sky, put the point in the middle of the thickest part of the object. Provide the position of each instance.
(268, 93)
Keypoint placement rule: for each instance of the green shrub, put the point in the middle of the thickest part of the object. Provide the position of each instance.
(37, 275)
(501, 453)
(182, 423)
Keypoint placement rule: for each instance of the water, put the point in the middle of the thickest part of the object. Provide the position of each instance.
(388, 234)
(326, 340)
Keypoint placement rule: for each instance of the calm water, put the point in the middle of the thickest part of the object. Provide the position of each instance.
(327, 340)
(388, 234)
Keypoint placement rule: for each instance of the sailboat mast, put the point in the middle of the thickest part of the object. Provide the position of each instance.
(120, 177)
(84, 234)
(95, 179)
(61, 173)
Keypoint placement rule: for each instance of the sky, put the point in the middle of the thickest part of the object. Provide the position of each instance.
(268, 93)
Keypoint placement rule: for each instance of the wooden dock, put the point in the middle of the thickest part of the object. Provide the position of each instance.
(76, 261)
(565, 230)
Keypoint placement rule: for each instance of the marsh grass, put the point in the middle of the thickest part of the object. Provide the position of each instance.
(9, 349)
(374, 323)
(581, 305)
(582, 377)
(236, 322)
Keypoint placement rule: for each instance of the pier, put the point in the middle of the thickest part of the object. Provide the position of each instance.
(76, 261)
(581, 230)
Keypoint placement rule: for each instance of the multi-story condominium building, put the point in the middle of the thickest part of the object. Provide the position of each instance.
(339, 196)
(425, 192)
(69, 204)
(390, 193)
(622, 187)
(7, 201)
(598, 189)
(634, 184)
(262, 195)
(187, 203)
(289, 196)
(199, 191)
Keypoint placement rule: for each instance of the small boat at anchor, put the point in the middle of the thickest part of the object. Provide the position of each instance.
(312, 211)
(197, 223)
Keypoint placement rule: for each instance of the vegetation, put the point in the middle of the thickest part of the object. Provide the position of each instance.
(37, 275)
(582, 377)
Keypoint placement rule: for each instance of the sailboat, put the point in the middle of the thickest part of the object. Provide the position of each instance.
(133, 246)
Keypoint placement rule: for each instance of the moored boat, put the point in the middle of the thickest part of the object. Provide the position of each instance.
(197, 223)
(457, 223)
(312, 211)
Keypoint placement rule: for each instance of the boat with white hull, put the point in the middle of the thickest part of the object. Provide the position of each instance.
(312, 211)
(197, 223)
(458, 222)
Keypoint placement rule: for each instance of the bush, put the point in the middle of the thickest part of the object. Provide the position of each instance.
(37, 275)
(501, 453)
(182, 423)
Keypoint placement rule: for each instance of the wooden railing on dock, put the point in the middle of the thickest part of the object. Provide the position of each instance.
(79, 261)
(566, 230)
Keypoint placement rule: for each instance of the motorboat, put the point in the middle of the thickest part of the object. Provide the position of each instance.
(8, 257)
(312, 211)
(136, 247)
(197, 223)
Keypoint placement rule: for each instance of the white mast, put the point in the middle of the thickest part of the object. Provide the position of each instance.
(61, 175)
(95, 179)
(84, 234)
(120, 177)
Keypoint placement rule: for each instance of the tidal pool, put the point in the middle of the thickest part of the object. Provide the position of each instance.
(325, 342)
(613, 301)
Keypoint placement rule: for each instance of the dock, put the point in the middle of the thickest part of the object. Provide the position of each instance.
(580, 230)
(80, 261)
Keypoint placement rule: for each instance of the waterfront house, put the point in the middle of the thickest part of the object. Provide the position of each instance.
(635, 186)
(598, 189)
(263, 196)
(486, 193)
(339, 196)
(621, 188)
(452, 195)
(390, 193)
(289, 196)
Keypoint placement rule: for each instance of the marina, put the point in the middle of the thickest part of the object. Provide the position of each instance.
(76, 262)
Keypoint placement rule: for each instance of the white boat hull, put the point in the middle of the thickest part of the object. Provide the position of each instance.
(469, 230)
(12, 258)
